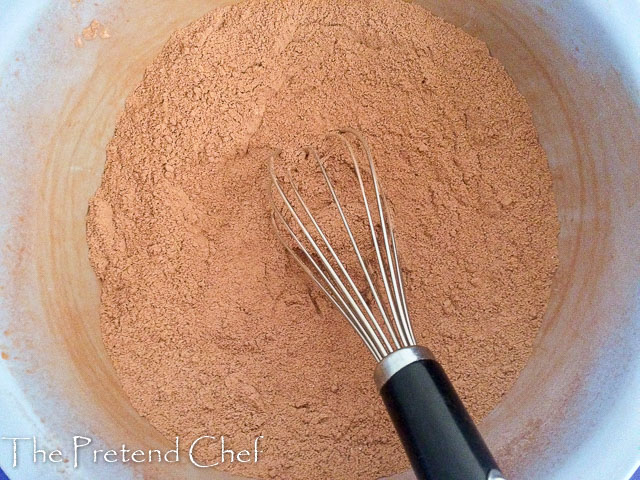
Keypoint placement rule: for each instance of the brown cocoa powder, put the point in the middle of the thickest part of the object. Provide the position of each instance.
(212, 329)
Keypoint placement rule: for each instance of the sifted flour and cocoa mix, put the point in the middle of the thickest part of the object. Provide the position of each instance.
(213, 329)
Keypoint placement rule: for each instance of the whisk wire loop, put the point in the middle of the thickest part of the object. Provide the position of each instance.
(345, 302)
(356, 250)
(329, 272)
(338, 262)
(333, 295)
(391, 296)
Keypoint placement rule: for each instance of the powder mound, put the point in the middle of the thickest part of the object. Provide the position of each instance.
(213, 329)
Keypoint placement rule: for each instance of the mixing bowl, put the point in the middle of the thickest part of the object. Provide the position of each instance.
(573, 413)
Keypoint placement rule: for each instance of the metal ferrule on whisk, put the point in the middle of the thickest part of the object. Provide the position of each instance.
(388, 330)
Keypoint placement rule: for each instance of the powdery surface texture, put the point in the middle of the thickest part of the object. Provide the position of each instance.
(213, 329)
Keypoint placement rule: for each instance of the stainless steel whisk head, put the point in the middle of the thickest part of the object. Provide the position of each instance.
(382, 323)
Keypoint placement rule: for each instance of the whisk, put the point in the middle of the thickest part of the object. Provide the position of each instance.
(438, 435)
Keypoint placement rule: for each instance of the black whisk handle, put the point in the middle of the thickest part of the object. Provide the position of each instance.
(440, 438)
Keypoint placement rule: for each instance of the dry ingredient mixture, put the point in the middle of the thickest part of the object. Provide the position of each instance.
(213, 329)
(94, 30)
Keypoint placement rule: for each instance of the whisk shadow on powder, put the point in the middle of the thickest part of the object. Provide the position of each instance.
(212, 329)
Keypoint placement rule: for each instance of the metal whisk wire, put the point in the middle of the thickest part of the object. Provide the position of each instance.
(337, 284)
